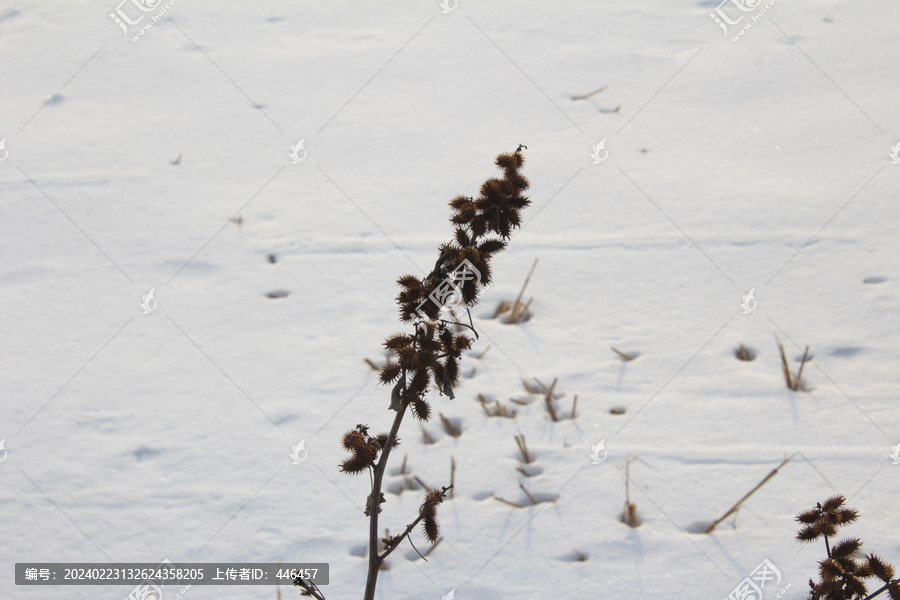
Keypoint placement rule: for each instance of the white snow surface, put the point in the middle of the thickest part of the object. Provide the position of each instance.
(758, 164)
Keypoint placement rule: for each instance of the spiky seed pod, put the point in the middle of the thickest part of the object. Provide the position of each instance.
(364, 452)
(433, 498)
(880, 568)
(409, 281)
(420, 379)
(465, 214)
(408, 358)
(846, 548)
(397, 341)
(834, 502)
(808, 534)
(462, 343)
(509, 160)
(462, 238)
(354, 465)
(389, 372)
(847, 564)
(478, 225)
(421, 409)
(382, 439)
(855, 585)
(491, 192)
(431, 529)
(459, 201)
(848, 515)
(489, 247)
(353, 440)
(429, 344)
(829, 570)
(823, 527)
(519, 202)
(808, 517)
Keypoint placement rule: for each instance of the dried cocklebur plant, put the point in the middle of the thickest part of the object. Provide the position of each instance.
(843, 572)
(430, 353)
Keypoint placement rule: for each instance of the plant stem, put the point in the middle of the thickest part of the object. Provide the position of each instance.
(374, 560)
(881, 589)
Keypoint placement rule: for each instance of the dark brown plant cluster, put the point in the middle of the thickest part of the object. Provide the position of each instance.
(496, 211)
(432, 351)
(363, 448)
(843, 574)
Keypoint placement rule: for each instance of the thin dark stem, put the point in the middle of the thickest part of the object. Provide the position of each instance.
(375, 560)
(827, 546)
(882, 589)
(414, 548)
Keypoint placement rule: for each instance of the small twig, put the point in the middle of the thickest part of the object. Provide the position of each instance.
(483, 352)
(737, 505)
(420, 482)
(515, 309)
(372, 365)
(574, 406)
(527, 493)
(798, 381)
(414, 547)
(499, 499)
(523, 448)
(524, 312)
(403, 466)
(589, 94)
(548, 400)
(627, 357)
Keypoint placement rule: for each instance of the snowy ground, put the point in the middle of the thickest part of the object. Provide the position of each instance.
(757, 164)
